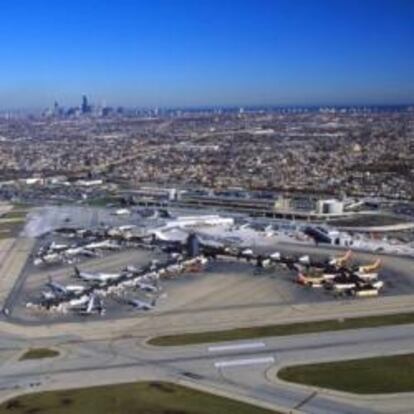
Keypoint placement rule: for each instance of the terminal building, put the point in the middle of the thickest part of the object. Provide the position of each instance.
(330, 207)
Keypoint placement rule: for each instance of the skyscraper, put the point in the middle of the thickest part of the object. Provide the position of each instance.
(85, 106)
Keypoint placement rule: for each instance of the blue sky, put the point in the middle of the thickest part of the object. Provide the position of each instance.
(206, 52)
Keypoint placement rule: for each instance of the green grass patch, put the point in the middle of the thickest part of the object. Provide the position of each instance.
(102, 201)
(379, 375)
(16, 214)
(366, 220)
(39, 353)
(23, 206)
(134, 398)
(283, 330)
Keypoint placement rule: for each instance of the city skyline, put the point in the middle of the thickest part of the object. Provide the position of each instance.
(186, 54)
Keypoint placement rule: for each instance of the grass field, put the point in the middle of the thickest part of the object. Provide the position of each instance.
(135, 398)
(102, 201)
(365, 220)
(283, 330)
(38, 353)
(15, 214)
(379, 375)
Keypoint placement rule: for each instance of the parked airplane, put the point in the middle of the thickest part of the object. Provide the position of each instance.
(146, 287)
(104, 244)
(346, 282)
(246, 254)
(341, 260)
(48, 259)
(81, 250)
(369, 272)
(365, 291)
(93, 305)
(78, 302)
(312, 280)
(193, 265)
(141, 305)
(330, 265)
(276, 256)
(60, 290)
(97, 277)
(371, 267)
(55, 247)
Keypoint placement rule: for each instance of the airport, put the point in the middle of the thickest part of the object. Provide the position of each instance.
(103, 288)
(138, 259)
(207, 207)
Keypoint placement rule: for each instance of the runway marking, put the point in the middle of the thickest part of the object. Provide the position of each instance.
(241, 362)
(250, 345)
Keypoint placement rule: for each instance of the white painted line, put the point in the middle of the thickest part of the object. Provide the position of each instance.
(240, 362)
(250, 345)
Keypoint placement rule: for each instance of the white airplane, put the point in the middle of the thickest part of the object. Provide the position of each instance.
(55, 247)
(121, 212)
(133, 269)
(146, 287)
(92, 305)
(267, 263)
(304, 260)
(248, 253)
(48, 258)
(74, 303)
(74, 251)
(96, 277)
(104, 244)
(141, 305)
(276, 256)
(58, 289)
(127, 227)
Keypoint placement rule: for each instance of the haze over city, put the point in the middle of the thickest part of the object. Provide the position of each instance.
(204, 53)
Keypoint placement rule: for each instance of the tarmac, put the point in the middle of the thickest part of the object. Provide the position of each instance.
(229, 295)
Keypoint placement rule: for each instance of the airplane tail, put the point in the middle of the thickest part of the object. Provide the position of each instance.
(372, 267)
(91, 304)
(347, 256)
(301, 278)
(276, 256)
(343, 259)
